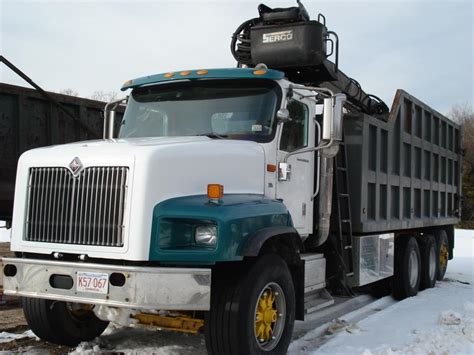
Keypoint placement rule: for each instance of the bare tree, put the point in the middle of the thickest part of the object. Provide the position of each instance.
(104, 96)
(464, 115)
(69, 91)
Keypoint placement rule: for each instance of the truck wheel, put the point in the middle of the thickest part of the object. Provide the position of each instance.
(255, 314)
(62, 323)
(406, 278)
(442, 253)
(429, 261)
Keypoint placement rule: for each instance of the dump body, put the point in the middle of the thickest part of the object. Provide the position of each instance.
(28, 120)
(404, 173)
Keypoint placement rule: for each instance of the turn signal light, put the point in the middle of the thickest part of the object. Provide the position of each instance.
(260, 72)
(215, 191)
(271, 168)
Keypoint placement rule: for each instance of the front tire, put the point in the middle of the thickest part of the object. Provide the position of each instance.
(255, 313)
(406, 278)
(62, 323)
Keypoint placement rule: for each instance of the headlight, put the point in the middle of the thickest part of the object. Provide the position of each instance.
(206, 234)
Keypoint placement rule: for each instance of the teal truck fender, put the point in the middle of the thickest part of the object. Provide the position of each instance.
(244, 223)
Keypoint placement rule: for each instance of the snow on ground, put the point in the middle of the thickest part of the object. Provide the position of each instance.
(6, 337)
(437, 321)
(4, 233)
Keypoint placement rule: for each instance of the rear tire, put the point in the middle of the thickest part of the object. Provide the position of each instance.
(429, 261)
(406, 278)
(61, 322)
(442, 253)
(260, 302)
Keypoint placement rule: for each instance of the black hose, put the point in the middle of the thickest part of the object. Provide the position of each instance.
(244, 38)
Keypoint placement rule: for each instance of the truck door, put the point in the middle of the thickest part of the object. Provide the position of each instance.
(296, 192)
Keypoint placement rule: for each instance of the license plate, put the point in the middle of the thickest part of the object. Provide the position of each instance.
(92, 282)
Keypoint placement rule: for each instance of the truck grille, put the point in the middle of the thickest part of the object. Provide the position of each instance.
(86, 209)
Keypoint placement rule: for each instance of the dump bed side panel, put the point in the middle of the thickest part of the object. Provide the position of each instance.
(404, 173)
(28, 120)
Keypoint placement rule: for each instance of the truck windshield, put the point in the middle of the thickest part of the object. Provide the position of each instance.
(232, 109)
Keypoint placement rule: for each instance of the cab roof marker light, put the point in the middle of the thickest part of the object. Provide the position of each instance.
(202, 72)
(128, 82)
(168, 75)
(185, 73)
(260, 72)
(215, 191)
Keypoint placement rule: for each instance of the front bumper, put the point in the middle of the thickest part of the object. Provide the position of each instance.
(145, 287)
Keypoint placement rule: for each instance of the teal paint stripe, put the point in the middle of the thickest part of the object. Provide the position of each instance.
(234, 73)
(237, 217)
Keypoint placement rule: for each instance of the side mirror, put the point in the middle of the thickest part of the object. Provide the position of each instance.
(283, 115)
(332, 117)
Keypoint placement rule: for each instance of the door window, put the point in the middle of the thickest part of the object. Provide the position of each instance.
(295, 132)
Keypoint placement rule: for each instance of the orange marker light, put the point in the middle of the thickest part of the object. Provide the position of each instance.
(202, 72)
(169, 75)
(184, 73)
(128, 82)
(271, 168)
(215, 191)
(260, 72)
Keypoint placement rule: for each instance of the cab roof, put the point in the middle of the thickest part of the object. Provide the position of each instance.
(233, 73)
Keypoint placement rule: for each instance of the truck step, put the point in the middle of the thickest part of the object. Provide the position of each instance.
(317, 300)
(314, 271)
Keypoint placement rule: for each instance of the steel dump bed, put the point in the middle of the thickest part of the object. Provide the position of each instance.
(404, 172)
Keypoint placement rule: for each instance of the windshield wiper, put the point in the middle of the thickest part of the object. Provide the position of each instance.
(212, 135)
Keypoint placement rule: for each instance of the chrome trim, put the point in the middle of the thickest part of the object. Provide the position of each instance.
(145, 287)
(77, 209)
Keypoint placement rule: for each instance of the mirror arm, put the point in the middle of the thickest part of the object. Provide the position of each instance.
(311, 149)
(318, 163)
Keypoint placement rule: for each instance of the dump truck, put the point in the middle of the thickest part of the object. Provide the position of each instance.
(236, 201)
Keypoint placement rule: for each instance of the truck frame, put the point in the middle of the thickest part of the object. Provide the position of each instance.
(236, 201)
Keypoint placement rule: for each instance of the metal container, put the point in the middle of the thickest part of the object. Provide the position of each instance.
(28, 120)
(295, 44)
(373, 257)
(404, 173)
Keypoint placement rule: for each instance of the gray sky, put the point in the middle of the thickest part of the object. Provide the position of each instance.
(424, 47)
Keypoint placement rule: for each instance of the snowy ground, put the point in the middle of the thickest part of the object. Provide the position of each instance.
(437, 321)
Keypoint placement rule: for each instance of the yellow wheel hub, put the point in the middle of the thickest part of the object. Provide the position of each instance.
(443, 255)
(266, 316)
